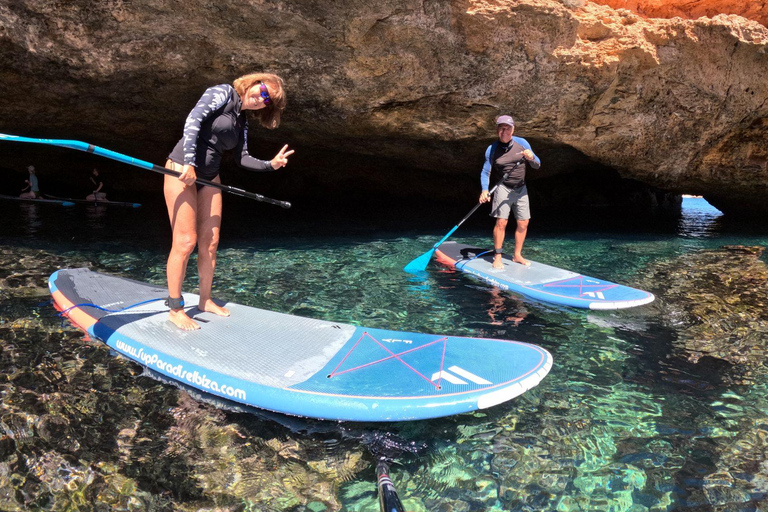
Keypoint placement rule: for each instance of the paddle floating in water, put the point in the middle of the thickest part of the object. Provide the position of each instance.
(106, 153)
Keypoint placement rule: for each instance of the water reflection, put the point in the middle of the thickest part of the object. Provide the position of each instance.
(699, 219)
(95, 212)
(504, 308)
(31, 218)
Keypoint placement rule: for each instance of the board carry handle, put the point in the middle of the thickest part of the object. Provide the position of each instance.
(106, 153)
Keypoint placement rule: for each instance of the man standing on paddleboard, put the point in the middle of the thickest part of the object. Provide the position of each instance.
(216, 124)
(509, 157)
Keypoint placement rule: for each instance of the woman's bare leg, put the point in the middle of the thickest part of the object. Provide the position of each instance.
(208, 227)
(181, 202)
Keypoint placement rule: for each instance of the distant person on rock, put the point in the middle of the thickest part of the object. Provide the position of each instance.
(216, 124)
(98, 193)
(32, 185)
(509, 156)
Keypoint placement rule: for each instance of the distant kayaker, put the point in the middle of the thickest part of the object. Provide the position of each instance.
(216, 124)
(508, 155)
(32, 186)
(98, 193)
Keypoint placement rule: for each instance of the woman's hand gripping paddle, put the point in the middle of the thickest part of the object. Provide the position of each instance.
(96, 150)
(420, 264)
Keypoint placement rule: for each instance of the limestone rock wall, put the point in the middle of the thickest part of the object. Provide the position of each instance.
(400, 95)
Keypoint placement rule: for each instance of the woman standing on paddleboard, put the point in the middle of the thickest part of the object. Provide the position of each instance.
(216, 124)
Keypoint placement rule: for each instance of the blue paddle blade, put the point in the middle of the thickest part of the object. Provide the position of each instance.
(419, 264)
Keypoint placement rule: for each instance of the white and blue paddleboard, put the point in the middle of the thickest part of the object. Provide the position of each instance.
(297, 365)
(541, 282)
(97, 202)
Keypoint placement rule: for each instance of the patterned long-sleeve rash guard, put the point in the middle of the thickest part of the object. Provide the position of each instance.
(215, 125)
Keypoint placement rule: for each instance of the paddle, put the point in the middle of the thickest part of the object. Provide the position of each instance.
(96, 150)
(420, 264)
(388, 499)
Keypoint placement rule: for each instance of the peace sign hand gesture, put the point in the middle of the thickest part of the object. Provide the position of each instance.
(281, 159)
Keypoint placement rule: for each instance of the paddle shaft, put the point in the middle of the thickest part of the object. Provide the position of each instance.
(490, 193)
(388, 499)
(96, 150)
(420, 264)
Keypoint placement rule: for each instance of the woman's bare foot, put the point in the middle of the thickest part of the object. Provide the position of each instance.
(522, 261)
(212, 307)
(182, 321)
(497, 261)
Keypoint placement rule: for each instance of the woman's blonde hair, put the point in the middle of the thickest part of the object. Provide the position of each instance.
(269, 116)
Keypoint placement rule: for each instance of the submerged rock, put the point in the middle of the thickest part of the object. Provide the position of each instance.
(83, 429)
(717, 301)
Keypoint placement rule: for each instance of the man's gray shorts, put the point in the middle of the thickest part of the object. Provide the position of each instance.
(506, 200)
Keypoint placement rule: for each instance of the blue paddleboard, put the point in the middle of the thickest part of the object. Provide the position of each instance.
(97, 202)
(296, 365)
(60, 202)
(541, 282)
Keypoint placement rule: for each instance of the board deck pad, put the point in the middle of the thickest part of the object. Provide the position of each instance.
(297, 365)
(540, 281)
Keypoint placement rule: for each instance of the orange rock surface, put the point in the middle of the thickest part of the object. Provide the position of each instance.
(756, 10)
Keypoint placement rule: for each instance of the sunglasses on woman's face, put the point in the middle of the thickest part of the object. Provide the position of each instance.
(265, 94)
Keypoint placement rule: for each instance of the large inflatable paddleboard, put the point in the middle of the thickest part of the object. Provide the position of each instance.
(297, 365)
(542, 282)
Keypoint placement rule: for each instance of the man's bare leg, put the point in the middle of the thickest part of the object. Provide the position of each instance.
(520, 232)
(499, 231)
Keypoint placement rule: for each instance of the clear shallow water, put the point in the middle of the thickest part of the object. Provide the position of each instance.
(618, 425)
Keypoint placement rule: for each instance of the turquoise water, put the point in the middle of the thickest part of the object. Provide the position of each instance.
(618, 425)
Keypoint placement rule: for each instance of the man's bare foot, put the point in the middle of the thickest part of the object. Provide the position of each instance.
(522, 261)
(212, 307)
(497, 261)
(182, 321)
